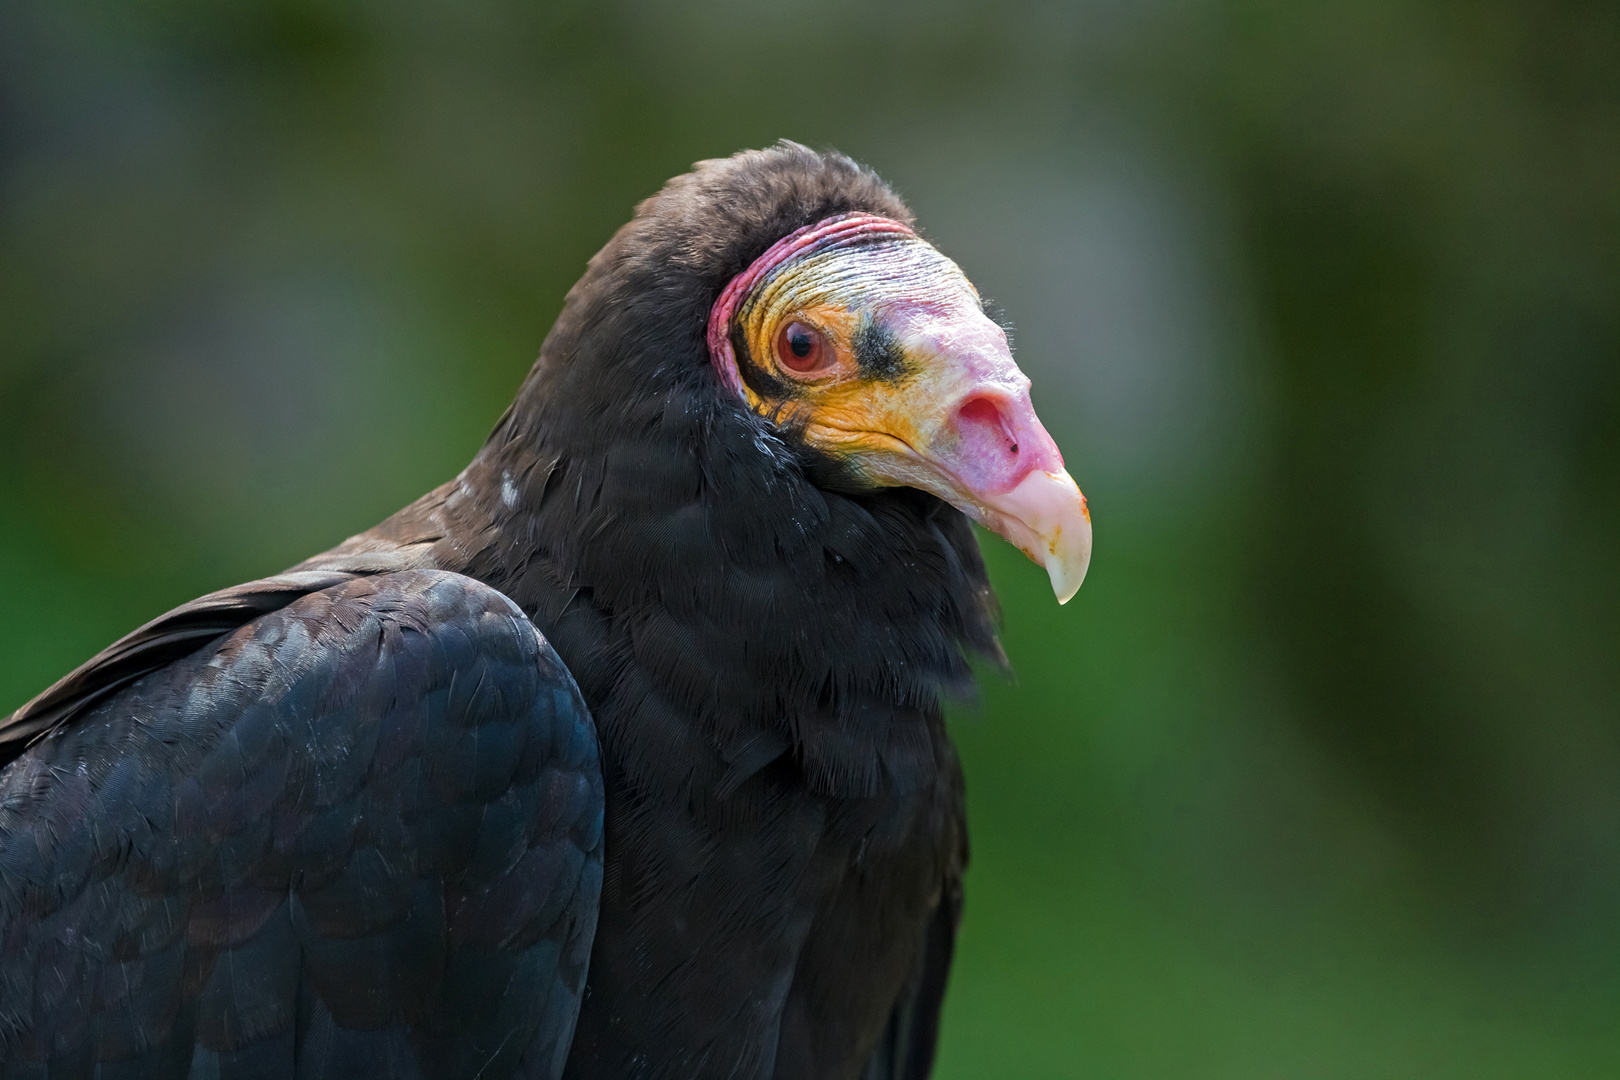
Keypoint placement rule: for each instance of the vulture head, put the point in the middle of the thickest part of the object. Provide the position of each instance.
(875, 348)
(792, 286)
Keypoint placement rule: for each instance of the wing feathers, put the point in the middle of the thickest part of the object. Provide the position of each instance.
(357, 836)
(159, 643)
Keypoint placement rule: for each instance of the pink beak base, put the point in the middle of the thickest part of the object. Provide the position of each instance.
(1008, 475)
(997, 460)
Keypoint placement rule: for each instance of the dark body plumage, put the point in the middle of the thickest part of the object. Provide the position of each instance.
(762, 649)
(358, 836)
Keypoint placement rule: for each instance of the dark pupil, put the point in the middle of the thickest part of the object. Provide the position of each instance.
(800, 342)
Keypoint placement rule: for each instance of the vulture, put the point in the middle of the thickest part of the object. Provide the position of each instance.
(620, 756)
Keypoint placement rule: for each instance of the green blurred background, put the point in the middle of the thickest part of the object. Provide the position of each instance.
(1319, 776)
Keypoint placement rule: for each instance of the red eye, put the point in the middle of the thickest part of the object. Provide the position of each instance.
(802, 348)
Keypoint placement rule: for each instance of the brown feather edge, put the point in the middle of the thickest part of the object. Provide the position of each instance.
(180, 632)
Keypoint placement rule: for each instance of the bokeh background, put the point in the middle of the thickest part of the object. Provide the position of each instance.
(1318, 777)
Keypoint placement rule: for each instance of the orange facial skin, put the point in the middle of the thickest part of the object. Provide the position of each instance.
(847, 413)
(882, 355)
(853, 413)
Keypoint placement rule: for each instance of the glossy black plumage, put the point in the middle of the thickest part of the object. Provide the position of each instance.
(763, 650)
(359, 836)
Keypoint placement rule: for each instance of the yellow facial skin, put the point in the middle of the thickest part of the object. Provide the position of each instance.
(862, 417)
(916, 387)
(846, 412)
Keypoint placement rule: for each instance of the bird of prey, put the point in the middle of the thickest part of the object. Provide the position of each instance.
(621, 755)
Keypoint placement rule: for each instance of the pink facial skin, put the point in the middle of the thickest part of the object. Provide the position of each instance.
(989, 434)
(957, 421)
(986, 442)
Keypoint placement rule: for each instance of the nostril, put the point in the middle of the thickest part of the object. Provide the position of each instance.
(983, 415)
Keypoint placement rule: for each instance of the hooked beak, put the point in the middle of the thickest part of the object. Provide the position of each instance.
(1046, 518)
(993, 460)
(963, 428)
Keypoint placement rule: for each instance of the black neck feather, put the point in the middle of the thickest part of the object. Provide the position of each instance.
(679, 551)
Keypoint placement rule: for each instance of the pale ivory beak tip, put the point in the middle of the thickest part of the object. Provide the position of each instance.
(1048, 508)
(1067, 573)
(1069, 549)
